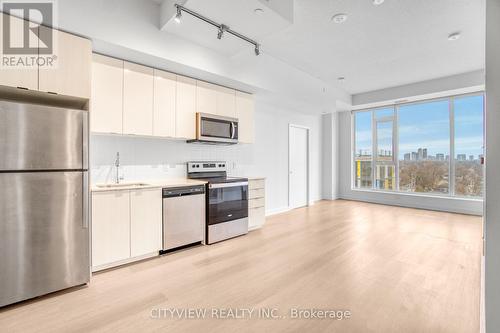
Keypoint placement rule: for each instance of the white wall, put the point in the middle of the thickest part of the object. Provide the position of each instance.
(492, 207)
(445, 86)
(399, 199)
(151, 158)
(330, 174)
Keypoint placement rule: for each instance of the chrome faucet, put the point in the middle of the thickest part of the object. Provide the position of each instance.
(117, 165)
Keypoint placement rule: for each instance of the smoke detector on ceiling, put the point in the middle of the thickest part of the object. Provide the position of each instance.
(378, 2)
(454, 36)
(339, 18)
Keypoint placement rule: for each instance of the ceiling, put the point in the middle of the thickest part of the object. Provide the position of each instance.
(396, 43)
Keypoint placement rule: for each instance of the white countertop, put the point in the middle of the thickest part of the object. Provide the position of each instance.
(161, 183)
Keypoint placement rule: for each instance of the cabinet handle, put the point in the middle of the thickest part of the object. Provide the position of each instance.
(23, 88)
(51, 92)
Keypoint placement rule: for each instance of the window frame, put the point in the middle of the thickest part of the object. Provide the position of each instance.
(395, 146)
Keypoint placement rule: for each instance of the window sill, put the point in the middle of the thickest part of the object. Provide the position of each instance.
(420, 195)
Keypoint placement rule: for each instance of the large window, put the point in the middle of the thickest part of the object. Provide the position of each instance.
(432, 147)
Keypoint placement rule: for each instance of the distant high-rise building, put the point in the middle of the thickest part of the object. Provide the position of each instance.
(413, 156)
(424, 153)
(407, 156)
(447, 158)
(461, 157)
(471, 157)
(420, 154)
(440, 157)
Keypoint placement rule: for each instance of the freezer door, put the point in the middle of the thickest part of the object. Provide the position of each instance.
(35, 137)
(44, 235)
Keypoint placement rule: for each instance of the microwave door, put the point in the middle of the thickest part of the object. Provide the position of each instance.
(212, 128)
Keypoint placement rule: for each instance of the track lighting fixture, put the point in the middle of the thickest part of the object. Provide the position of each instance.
(222, 28)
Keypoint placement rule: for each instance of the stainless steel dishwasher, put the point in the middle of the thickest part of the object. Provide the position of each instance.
(183, 216)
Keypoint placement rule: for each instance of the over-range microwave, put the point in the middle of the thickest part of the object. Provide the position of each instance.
(214, 129)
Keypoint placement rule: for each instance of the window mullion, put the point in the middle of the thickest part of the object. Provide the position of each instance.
(396, 146)
(451, 183)
(374, 148)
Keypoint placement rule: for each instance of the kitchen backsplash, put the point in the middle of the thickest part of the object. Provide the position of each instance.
(151, 158)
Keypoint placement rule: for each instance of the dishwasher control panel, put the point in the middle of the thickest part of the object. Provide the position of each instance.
(181, 191)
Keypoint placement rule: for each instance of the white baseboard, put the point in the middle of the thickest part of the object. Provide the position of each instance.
(275, 211)
(255, 227)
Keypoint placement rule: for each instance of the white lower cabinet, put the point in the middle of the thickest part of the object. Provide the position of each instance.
(256, 203)
(126, 225)
(110, 227)
(145, 222)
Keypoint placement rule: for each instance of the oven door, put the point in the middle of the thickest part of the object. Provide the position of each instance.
(227, 202)
(212, 128)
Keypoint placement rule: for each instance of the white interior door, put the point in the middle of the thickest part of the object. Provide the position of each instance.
(298, 167)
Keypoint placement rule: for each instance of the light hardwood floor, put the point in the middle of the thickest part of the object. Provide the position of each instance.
(395, 269)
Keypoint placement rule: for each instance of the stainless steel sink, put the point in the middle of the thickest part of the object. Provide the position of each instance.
(121, 185)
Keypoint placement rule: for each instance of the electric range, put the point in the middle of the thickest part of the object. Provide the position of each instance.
(226, 201)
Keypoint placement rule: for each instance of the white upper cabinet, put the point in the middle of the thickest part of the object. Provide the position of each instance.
(186, 108)
(165, 95)
(145, 222)
(106, 104)
(226, 102)
(138, 87)
(13, 77)
(71, 75)
(206, 97)
(245, 114)
(133, 99)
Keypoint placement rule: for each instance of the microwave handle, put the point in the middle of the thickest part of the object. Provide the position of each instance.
(232, 130)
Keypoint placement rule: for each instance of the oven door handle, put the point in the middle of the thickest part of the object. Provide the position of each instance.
(225, 185)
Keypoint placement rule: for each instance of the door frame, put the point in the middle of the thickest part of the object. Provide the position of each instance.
(308, 173)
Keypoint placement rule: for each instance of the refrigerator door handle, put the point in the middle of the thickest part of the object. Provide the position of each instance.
(85, 141)
(85, 205)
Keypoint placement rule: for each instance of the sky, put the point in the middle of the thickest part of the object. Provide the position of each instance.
(427, 125)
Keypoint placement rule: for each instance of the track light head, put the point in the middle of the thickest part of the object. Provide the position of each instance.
(257, 49)
(222, 28)
(178, 16)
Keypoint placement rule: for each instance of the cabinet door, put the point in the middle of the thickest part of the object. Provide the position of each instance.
(226, 102)
(106, 105)
(138, 87)
(110, 227)
(71, 75)
(165, 91)
(186, 108)
(17, 77)
(206, 97)
(145, 221)
(245, 114)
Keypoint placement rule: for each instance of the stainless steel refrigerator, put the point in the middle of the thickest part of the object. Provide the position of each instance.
(44, 224)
